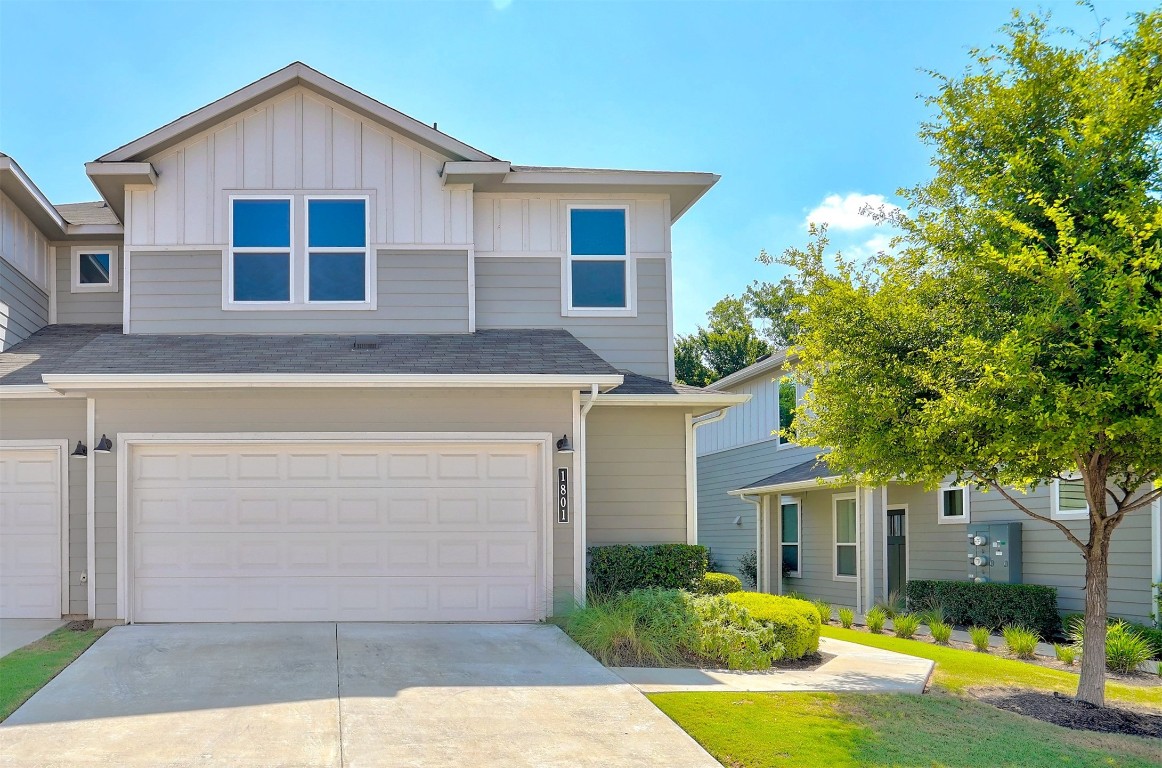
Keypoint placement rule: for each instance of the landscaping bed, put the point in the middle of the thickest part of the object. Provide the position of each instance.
(1066, 711)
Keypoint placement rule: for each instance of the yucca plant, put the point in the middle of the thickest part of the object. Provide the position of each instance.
(1020, 641)
(1066, 654)
(824, 609)
(875, 619)
(980, 638)
(941, 632)
(846, 617)
(906, 624)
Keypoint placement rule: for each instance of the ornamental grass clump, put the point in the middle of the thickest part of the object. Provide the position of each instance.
(875, 619)
(905, 625)
(1125, 648)
(941, 632)
(645, 627)
(1020, 641)
(846, 617)
(1066, 654)
(980, 637)
(824, 609)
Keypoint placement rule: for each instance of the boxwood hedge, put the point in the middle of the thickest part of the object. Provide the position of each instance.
(625, 567)
(989, 604)
(795, 622)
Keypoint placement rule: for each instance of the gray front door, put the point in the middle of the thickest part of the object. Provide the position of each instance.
(897, 552)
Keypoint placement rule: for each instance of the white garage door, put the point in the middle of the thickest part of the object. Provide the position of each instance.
(30, 533)
(336, 532)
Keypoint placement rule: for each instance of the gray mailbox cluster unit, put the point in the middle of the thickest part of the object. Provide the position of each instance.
(994, 552)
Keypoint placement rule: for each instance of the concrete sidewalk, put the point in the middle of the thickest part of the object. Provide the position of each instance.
(855, 669)
(17, 633)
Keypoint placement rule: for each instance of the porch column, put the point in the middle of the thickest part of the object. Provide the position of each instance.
(874, 500)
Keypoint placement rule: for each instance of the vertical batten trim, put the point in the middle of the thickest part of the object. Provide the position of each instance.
(471, 290)
(91, 507)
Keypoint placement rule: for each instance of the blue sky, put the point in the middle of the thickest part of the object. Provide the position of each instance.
(802, 108)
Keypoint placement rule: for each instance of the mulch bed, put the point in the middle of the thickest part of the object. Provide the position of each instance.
(1065, 711)
(80, 626)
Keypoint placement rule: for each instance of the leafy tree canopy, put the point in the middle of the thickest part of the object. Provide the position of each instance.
(727, 344)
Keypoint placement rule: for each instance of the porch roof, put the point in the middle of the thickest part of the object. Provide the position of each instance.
(807, 474)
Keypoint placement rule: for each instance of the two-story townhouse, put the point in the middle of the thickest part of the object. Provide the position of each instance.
(851, 546)
(312, 359)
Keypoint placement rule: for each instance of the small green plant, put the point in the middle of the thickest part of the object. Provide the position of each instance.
(748, 566)
(905, 625)
(1125, 648)
(846, 617)
(933, 612)
(980, 638)
(719, 584)
(824, 609)
(1066, 654)
(941, 632)
(797, 596)
(893, 604)
(1020, 641)
(875, 619)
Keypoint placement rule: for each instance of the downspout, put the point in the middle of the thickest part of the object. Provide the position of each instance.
(692, 469)
(582, 471)
(758, 516)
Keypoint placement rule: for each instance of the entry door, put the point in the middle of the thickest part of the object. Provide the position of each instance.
(897, 551)
(30, 533)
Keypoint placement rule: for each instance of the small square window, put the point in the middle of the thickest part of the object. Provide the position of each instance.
(94, 270)
(1068, 499)
(952, 505)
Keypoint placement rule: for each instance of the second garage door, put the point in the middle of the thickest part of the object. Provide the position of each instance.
(319, 531)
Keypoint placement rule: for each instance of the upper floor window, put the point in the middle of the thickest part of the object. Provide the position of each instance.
(952, 504)
(1068, 499)
(94, 270)
(599, 270)
(273, 264)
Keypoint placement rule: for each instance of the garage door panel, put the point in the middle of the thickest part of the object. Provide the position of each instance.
(36, 556)
(30, 532)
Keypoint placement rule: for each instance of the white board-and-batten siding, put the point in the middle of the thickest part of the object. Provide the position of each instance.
(752, 422)
(24, 275)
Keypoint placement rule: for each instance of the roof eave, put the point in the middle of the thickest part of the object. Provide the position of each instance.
(111, 179)
(14, 183)
(796, 485)
(63, 382)
(754, 370)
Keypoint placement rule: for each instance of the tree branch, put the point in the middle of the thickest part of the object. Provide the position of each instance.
(1068, 533)
(1143, 501)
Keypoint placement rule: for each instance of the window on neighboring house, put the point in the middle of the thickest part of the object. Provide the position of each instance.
(952, 504)
(846, 537)
(598, 264)
(260, 250)
(1068, 498)
(788, 403)
(789, 526)
(94, 270)
(337, 250)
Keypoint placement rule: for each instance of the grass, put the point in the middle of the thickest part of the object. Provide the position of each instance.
(26, 670)
(819, 730)
(957, 670)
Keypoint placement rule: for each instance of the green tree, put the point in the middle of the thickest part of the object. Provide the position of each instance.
(773, 304)
(1016, 335)
(689, 367)
(727, 344)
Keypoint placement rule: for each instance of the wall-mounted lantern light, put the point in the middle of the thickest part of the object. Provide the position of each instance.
(104, 445)
(80, 451)
(563, 445)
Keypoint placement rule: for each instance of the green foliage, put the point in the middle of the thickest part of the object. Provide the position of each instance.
(729, 635)
(625, 567)
(1066, 654)
(1152, 634)
(990, 604)
(933, 612)
(824, 609)
(1019, 641)
(846, 617)
(1125, 649)
(892, 604)
(980, 637)
(748, 566)
(689, 366)
(905, 625)
(795, 622)
(774, 305)
(941, 632)
(719, 584)
(647, 627)
(876, 618)
(729, 343)
(26, 670)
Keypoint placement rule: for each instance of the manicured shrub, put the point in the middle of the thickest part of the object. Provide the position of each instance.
(905, 625)
(875, 619)
(1019, 641)
(626, 567)
(991, 605)
(1066, 654)
(719, 584)
(846, 617)
(941, 632)
(824, 609)
(892, 604)
(748, 566)
(650, 627)
(980, 637)
(795, 622)
(730, 636)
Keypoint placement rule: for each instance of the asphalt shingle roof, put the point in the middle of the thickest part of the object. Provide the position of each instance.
(636, 384)
(73, 349)
(87, 213)
(812, 469)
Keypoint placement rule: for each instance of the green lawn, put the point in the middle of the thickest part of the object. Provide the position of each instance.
(25, 671)
(958, 669)
(803, 730)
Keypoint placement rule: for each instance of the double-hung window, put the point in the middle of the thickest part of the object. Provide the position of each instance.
(299, 252)
(599, 270)
(846, 543)
(790, 523)
(1068, 498)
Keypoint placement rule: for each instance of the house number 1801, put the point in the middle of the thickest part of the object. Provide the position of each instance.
(563, 495)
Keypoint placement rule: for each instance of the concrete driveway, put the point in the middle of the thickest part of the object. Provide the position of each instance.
(341, 695)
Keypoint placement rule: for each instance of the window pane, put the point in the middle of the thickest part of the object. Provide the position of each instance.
(790, 523)
(786, 407)
(337, 223)
(845, 521)
(791, 558)
(261, 224)
(845, 560)
(954, 502)
(94, 268)
(338, 277)
(597, 232)
(599, 284)
(1071, 496)
(262, 277)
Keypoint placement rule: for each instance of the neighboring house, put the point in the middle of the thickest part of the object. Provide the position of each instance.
(831, 542)
(316, 360)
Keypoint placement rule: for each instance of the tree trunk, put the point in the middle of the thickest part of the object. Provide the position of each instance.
(1091, 686)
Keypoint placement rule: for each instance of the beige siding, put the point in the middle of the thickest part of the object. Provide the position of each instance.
(425, 292)
(816, 556)
(526, 293)
(57, 419)
(302, 412)
(86, 307)
(23, 306)
(636, 483)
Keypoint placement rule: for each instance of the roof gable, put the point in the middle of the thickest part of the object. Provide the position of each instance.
(296, 74)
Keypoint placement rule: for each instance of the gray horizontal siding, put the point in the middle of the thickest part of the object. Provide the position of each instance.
(526, 293)
(815, 557)
(23, 306)
(87, 307)
(182, 293)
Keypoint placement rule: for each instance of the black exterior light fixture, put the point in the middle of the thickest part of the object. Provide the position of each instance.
(563, 445)
(104, 445)
(80, 451)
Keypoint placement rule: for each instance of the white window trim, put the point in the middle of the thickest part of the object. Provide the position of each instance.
(798, 542)
(78, 286)
(567, 308)
(369, 293)
(1055, 501)
(780, 445)
(959, 519)
(228, 301)
(836, 544)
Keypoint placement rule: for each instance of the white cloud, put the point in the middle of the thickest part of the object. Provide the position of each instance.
(500, 5)
(844, 212)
